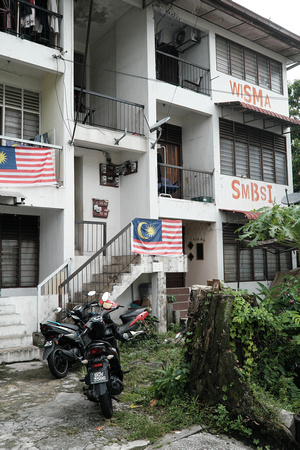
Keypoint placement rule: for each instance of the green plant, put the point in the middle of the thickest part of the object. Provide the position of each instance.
(171, 298)
(171, 380)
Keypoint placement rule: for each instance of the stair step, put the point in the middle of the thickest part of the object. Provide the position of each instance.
(10, 330)
(9, 319)
(126, 259)
(106, 277)
(180, 306)
(180, 291)
(4, 301)
(7, 308)
(116, 268)
(18, 354)
(15, 340)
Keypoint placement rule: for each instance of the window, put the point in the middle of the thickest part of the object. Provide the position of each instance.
(19, 112)
(242, 263)
(19, 241)
(258, 154)
(240, 62)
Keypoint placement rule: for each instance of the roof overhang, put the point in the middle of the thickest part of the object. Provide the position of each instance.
(242, 21)
(250, 215)
(252, 113)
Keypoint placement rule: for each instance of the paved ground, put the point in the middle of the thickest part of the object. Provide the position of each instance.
(41, 412)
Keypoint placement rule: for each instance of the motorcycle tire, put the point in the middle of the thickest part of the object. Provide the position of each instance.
(57, 366)
(105, 401)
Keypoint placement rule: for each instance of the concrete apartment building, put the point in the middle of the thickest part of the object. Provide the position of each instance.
(198, 86)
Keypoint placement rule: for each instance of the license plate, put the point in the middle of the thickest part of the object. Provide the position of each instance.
(98, 377)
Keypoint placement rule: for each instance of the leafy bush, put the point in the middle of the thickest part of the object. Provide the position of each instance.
(264, 338)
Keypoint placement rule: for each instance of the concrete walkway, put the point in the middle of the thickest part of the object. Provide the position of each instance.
(41, 412)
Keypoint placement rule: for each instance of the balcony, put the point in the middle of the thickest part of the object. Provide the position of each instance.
(174, 70)
(99, 110)
(179, 182)
(31, 22)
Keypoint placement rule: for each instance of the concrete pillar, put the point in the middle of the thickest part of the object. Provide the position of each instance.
(159, 300)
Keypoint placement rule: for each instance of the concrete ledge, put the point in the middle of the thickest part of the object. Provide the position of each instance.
(20, 354)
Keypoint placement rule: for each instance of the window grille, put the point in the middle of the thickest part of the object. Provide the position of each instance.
(258, 154)
(19, 112)
(250, 264)
(245, 64)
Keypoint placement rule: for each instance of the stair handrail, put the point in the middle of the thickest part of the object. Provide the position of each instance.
(103, 251)
(65, 265)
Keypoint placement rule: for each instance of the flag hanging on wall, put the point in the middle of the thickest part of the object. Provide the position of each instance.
(157, 237)
(26, 166)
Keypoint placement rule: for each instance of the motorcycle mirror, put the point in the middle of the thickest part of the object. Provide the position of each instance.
(91, 293)
(105, 296)
(57, 310)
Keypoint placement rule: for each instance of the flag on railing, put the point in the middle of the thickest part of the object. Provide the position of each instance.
(157, 237)
(26, 166)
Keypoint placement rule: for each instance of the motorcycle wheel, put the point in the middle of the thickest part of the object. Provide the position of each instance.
(57, 366)
(106, 405)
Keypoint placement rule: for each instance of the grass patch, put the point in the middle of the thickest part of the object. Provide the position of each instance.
(148, 417)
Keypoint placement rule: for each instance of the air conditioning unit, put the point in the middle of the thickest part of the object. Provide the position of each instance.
(185, 38)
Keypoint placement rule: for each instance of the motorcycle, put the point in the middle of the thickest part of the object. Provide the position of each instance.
(137, 322)
(60, 336)
(104, 378)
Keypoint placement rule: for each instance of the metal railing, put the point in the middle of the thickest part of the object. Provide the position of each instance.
(109, 112)
(89, 236)
(101, 270)
(29, 21)
(188, 184)
(50, 285)
(176, 71)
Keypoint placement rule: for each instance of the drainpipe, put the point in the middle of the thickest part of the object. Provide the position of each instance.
(83, 68)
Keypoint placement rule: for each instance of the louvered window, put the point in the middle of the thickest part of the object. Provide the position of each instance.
(19, 112)
(240, 62)
(19, 240)
(258, 154)
(250, 264)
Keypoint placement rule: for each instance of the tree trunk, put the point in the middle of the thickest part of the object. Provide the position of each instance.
(215, 375)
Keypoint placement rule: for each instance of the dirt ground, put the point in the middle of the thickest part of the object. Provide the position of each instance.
(40, 412)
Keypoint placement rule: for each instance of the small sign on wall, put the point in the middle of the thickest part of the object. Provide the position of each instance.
(100, 208)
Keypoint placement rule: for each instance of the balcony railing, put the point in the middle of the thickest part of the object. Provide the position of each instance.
(108, 112)
(176, 71)
(188, 184)
(89, 236)
(29, 21)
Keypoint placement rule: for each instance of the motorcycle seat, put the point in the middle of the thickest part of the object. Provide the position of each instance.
(72, 326)
(129, 315)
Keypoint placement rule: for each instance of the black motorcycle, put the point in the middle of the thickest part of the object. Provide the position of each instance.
(104, 378)
(62, 335)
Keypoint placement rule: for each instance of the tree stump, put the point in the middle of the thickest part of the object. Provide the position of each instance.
(215, 375)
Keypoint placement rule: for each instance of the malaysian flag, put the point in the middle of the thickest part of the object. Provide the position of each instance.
(157, 237)
(26, 166)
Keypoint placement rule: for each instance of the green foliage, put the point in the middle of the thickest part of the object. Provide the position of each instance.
(225, 423)
(276, 222)
(171, 380)
(294, 107)
(264, 338)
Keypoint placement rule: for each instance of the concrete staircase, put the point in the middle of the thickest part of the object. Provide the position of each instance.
(182, 304)
(15, 344)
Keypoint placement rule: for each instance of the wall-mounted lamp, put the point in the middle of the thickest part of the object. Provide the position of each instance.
(158, 127)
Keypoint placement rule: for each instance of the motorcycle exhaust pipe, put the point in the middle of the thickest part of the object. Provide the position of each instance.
(67, 354)
(117, 387)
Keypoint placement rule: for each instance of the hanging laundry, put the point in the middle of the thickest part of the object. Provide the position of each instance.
(53, 21)
(28, 15)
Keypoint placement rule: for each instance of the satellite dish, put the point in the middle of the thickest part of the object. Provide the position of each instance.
(291, 199)
(158, 124)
